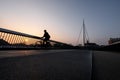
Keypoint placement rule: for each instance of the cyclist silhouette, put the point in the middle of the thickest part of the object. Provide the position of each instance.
(46, 37)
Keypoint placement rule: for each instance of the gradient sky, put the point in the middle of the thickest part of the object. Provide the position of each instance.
(63, 19)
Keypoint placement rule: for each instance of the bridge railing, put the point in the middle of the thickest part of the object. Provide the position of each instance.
(12, 39)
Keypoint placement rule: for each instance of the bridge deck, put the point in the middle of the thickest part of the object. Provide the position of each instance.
(59, 65)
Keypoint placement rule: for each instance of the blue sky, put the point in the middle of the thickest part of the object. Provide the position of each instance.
(63, 18)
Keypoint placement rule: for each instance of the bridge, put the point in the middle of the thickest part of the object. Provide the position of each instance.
(10, 39)
(60, 61)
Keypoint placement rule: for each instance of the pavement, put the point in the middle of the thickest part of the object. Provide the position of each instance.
(46, 65)
(106, 65)
(59, 65)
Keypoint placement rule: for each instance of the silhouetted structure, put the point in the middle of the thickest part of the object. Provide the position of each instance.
(92, 46)
(3, 42)
(85, 36)
(16, 40)
(114, 45)
(113, 40)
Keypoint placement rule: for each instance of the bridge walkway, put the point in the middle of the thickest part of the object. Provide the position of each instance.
(59, 65)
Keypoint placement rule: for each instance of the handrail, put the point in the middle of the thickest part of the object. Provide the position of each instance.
(15, 38)
(18, 33)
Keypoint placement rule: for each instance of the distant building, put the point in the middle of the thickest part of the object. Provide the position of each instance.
(113, 40)
(91, 44)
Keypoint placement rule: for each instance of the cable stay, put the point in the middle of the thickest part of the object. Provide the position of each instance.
(84, 33)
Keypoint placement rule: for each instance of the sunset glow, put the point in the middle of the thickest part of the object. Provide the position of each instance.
(26, 40)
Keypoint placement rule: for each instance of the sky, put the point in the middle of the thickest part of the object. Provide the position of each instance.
(63, 19)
